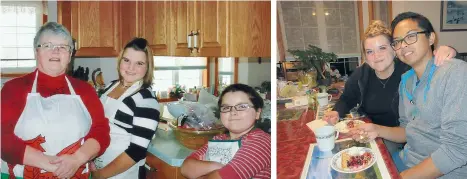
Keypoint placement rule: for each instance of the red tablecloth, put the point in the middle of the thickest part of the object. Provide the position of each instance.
(293, 141)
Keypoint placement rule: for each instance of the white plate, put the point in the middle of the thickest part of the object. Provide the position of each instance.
(337, 159)
(342, 126)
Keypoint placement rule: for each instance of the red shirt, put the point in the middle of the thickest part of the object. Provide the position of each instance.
(14, 94)
(252, 160)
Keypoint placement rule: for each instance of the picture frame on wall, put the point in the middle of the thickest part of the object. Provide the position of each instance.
(453, 15)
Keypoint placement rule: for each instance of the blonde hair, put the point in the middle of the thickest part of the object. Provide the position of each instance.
(139, 44)
(376, 28)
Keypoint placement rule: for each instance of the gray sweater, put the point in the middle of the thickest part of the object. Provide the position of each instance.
(436, 126)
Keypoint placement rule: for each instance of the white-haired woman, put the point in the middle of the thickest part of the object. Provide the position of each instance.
(51, 121)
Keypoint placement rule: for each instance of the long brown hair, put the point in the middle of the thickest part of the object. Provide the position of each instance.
(139, 44)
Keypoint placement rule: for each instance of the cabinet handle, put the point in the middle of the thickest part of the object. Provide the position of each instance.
(150, 168)
(189, 41)
(195, 46)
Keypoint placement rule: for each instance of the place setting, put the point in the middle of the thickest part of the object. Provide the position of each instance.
(333, 157)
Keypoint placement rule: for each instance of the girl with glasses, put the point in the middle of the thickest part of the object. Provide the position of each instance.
(240, 106)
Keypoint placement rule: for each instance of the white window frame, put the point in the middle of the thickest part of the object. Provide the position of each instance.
(176, 71)
(39, 14)
(230, 73)
(322, 34)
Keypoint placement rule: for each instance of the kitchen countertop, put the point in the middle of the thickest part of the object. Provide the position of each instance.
(165, 147)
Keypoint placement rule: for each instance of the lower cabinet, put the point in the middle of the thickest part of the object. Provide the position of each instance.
(161, 170)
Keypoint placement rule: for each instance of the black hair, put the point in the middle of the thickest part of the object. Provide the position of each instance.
(255, 98)
(421, 20)
(138, 44)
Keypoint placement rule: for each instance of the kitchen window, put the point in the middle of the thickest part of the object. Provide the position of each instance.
(330, 25)
(226, 71)
(187, 71)
(19, 23)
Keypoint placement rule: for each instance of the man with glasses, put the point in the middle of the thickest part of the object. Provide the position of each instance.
(431, 105)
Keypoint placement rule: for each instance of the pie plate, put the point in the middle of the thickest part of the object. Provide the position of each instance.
(336, 161)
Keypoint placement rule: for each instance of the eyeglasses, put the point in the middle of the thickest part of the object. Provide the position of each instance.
(238, 107)
(408, 39)
(50, 47)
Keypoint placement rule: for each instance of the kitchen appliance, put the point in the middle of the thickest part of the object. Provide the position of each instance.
(98, 80)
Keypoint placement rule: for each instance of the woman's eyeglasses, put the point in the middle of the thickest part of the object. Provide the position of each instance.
(238, 107)
(50, 47)
(408, 39)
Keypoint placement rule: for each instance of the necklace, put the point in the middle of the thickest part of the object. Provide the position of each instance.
(384, 84)
(124, 85)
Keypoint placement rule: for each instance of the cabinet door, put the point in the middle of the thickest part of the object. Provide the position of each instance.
(249, 29)
(94, 25)
(182, 23)
(211, 20)
(162, 169)
(129, 21)
(155, 25)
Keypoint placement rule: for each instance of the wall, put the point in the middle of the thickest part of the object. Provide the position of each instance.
(52, 11)
(431, 10)
(252, 73)
(249, 71)
(108, 67)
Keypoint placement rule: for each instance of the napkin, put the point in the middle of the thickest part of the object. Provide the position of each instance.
(316, 124)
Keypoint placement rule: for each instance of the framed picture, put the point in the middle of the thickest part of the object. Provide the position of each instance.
(453, 15)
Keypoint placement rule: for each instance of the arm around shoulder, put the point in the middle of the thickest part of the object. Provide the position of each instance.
(351, 96)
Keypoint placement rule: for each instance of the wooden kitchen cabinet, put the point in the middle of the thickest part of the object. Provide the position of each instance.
(166, 25)
(94, 24)
(249, 29)
(182, 22)
(150, 20)
(226, 28)
(155, 25)
(213, 27)
(162, 169)
(208, 18)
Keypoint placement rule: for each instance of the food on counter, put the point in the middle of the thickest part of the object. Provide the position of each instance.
(355, 162)
(346, 125)
(350, 124)
(288, 91)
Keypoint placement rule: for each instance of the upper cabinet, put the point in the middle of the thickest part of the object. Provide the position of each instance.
(94, 25)
(199, 28)
(211, 24)
(172, 28)
(154, 22)
(249, 29)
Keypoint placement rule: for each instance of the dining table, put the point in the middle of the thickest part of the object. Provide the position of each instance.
(294, 138)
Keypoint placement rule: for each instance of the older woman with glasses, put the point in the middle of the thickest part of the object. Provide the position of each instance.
(51, 121)
(133, 114)
(373, 87)
(240, 107)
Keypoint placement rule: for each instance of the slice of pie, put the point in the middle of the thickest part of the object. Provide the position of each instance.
(345, 159)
